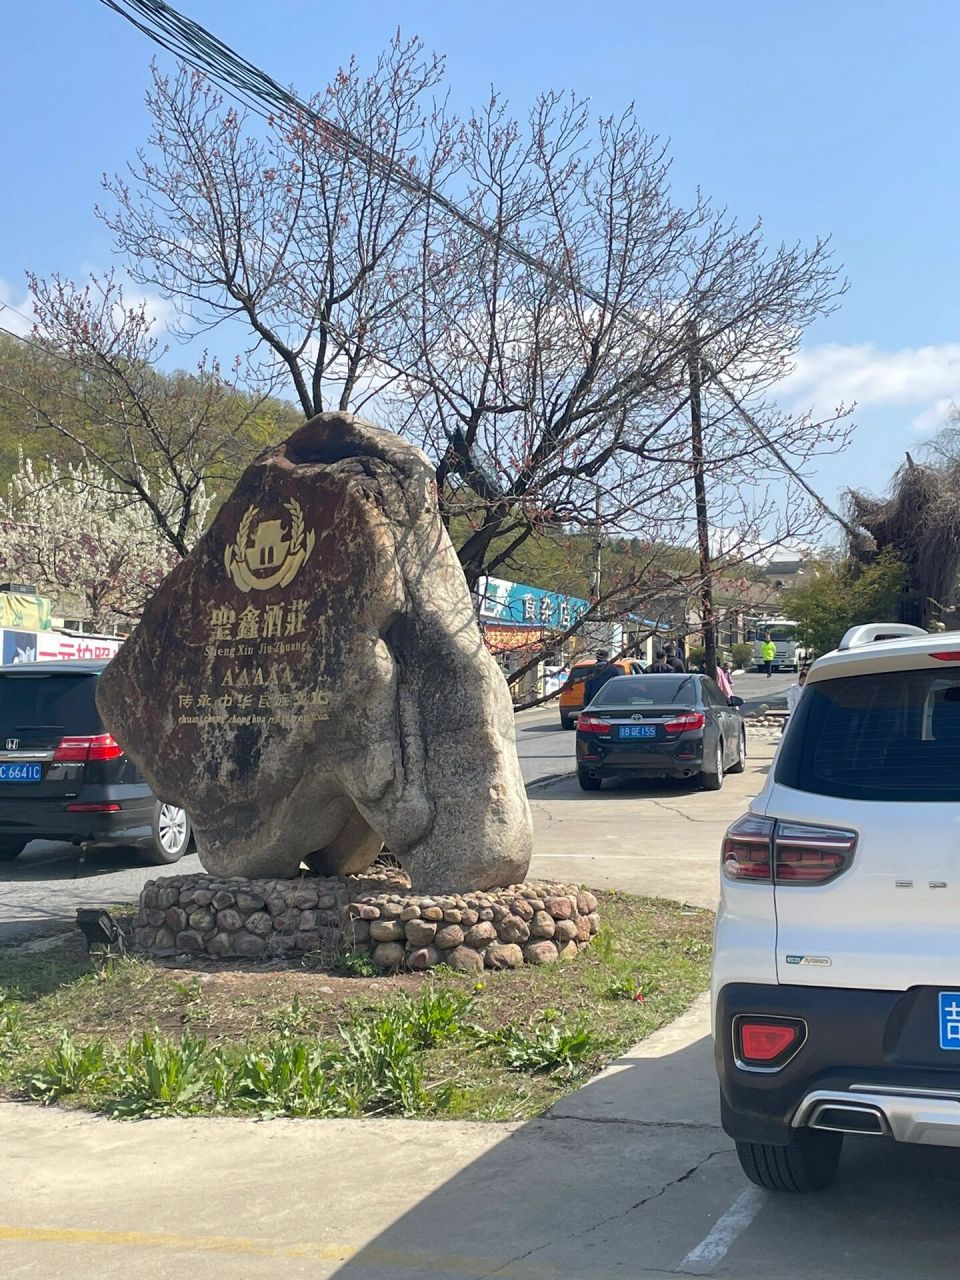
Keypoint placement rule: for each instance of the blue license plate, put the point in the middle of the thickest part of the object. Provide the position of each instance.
(950, 1019)
(638, 731)
(21, 772)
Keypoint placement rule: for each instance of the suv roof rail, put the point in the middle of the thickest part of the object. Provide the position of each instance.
(871, 632)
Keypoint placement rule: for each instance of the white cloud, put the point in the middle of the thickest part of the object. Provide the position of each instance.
(160, 311)
(16, 313)
(924, 379)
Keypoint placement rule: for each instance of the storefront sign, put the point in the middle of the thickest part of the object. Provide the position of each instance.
(516, 604)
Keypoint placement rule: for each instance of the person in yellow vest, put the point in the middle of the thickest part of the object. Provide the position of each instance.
(768, 651)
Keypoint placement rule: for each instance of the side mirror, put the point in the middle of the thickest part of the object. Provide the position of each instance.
(735, 701)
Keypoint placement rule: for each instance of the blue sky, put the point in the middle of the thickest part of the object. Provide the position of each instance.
(823, 118)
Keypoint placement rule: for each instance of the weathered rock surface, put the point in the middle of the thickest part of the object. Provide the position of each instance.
(311, 682)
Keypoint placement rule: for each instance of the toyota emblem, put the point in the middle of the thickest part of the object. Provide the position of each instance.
(636, 717)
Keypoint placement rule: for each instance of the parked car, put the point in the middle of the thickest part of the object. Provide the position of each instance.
(836, 979)
(674, 726)
(571, 695)
(62, 776)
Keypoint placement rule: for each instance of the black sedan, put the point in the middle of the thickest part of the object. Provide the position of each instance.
(673, 726)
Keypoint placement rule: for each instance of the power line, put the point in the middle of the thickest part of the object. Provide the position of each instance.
(201, 49)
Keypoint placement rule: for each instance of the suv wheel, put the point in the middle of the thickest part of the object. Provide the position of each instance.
(807, 1163)
(172, 834)
(10, 849)
(587, 781)
(712, 779)
(741, 762)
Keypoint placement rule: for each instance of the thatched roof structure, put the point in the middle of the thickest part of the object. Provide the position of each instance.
(920, 522)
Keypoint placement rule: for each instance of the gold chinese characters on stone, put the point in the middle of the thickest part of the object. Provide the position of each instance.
(263, 556)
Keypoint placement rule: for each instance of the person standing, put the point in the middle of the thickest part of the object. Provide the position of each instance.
(795, 690)
(598, 677)
(674, 661)
(661, 666)
(724, 683)
(768, 652)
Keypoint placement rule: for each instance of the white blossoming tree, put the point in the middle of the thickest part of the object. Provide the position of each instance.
(70, 530)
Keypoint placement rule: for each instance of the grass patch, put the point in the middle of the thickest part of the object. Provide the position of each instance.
(130, 1038)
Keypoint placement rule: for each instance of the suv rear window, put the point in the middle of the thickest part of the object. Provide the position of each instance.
(31, 704)
(893, 735)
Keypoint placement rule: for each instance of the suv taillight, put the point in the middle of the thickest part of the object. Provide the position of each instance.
(746, 853)
(691, 720)
(762, 849)
(101, 746)
(810, 855)
(590, 724)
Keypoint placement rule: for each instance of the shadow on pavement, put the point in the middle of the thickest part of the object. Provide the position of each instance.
(566, 1195)
(631, 1173)
(43, 861)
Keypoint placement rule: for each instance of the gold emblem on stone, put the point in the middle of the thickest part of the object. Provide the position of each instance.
(263, 556)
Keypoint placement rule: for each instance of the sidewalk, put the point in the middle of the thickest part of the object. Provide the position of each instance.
(372, 1200)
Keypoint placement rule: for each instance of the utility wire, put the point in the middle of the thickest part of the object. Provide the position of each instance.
(201, 49)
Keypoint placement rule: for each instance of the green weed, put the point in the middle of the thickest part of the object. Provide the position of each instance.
(553, 1046)
(70, 1068)
(291, 1019)
(356, 964)
(435, 1016)
(10, 1025)
(155, 1075)
(380, 1060)
(293, 1078)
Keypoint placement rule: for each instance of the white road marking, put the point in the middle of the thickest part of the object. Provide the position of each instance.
(702, 1260)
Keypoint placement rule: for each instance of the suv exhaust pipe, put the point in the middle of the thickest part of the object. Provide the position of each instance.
(844, 1117)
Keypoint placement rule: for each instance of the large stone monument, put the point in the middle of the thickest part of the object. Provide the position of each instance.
(311, 682)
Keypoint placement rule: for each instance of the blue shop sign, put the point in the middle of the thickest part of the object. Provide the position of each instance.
(516, 604)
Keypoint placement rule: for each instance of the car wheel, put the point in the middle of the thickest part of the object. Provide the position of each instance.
(712, 779)
(808, 1162)
(10, 849)
(741, 761)
(171, 835)
(587, 781)
(566, 722)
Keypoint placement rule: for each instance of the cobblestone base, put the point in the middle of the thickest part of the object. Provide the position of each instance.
(375, 915)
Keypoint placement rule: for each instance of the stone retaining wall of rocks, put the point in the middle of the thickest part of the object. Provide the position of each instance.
(226, 919)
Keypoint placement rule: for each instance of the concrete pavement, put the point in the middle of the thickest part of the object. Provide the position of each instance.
(660, 838)
(629, 1176)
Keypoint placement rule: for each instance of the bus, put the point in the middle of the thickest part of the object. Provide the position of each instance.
(790, 653)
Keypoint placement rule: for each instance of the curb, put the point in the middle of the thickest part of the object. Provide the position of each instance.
(549, 779)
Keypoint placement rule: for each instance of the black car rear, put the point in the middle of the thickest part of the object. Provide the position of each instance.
(62, 776)
(676, 726)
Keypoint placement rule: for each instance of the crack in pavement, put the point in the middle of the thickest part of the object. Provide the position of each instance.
(672, 808)
(613, 1217)
(567, 1116)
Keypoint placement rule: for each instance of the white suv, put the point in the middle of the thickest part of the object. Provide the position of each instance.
(836, 981)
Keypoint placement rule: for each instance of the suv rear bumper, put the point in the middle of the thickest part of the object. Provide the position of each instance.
(860, 1047)
(920, 1117)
